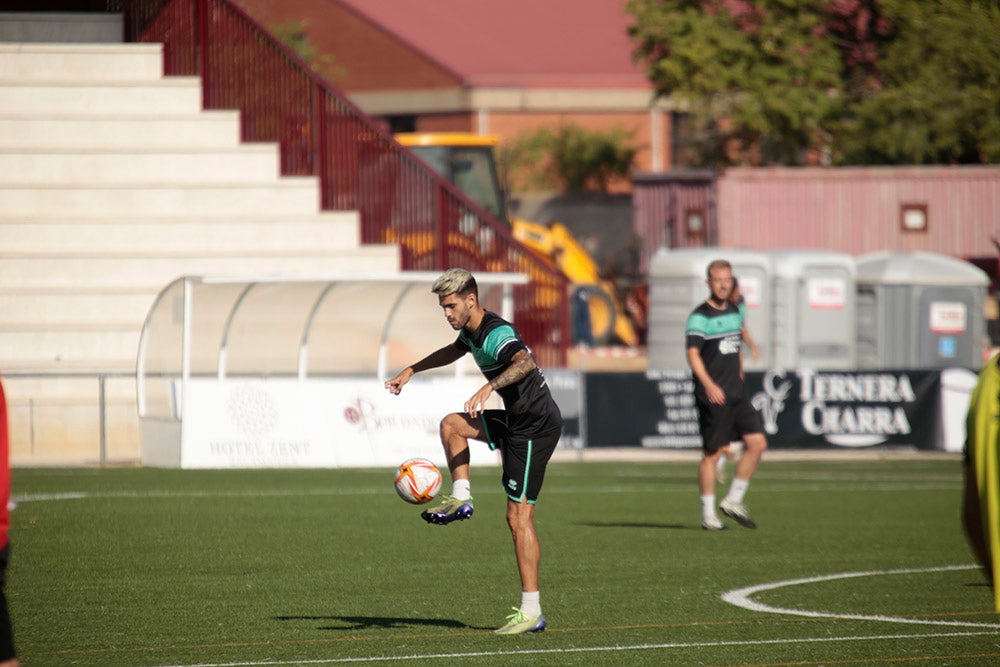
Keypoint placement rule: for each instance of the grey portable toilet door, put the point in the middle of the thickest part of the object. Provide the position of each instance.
(825, 318)
(756, 288)
(945, 333)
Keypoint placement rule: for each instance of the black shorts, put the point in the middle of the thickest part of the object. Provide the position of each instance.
(721, 424)
(524, 460)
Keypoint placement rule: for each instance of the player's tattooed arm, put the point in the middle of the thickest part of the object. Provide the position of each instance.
(520, 366)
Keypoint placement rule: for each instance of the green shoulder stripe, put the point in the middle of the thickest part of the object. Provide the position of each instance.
(710, 327)
(496, 338)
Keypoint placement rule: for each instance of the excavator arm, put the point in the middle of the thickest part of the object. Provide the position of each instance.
(556, 244)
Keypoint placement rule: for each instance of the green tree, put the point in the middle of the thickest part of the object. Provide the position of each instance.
(528, 162)
(939, 100)
(572, 158)
(767, 69)
(862, 81)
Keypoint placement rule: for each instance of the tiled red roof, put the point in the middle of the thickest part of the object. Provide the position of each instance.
(523, 43)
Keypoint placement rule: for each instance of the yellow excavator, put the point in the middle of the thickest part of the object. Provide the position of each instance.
(467, 160)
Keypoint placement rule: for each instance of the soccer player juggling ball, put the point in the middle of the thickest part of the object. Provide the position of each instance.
(526, 431)
(715, 353)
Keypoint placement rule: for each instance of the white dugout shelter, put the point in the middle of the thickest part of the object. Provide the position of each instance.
(258, 371)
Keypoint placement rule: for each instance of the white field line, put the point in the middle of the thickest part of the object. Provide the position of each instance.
(740, 597)
(580, 649)
(387, 490)
(84, 495)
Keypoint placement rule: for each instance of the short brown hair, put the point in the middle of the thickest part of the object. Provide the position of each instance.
(717, 264)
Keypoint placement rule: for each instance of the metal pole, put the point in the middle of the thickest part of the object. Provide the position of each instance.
(102, 416)
(320, 145)
(507, 303)
(202, 32)
(185, 345)
(441, 251)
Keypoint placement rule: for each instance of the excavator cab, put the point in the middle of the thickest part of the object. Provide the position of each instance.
(465, 160)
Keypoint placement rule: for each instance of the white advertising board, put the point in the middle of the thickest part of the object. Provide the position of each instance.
(319, 423)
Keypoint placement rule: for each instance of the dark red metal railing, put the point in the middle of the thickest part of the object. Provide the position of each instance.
(359, 164)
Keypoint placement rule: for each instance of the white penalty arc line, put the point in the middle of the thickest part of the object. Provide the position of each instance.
(740, 597)
(578, 649)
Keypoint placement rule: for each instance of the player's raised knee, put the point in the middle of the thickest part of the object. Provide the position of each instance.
(452, 424)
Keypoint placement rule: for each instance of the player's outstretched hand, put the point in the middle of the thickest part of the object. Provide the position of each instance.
(395, 385)
(477, 403)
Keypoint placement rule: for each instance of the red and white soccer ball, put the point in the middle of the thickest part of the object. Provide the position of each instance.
(417, 481)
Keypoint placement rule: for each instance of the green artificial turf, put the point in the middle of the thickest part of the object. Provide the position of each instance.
(146, 567)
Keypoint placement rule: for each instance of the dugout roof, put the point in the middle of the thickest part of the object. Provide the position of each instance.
(301, 327)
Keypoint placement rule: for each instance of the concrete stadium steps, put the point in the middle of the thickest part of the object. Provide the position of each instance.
(331, 231)
(289, 196)
(113, 183)
(72, 349)
(176, 95)
(204, 130)
(155, 271)
(253, 163)
(67, 309)
(91, 62)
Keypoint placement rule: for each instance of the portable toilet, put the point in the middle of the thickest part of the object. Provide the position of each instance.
(920, 310)
(813, 312)
(677, 285)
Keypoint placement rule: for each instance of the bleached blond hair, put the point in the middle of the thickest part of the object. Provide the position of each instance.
(455, 281)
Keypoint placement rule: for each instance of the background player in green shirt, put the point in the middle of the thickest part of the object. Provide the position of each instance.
(715, 353)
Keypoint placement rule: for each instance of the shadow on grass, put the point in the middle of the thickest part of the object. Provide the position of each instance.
(380, 622)
(634, 524)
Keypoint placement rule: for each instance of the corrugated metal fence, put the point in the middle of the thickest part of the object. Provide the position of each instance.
(856, 210)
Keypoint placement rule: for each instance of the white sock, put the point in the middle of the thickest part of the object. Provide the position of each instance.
(708, 506)
(461, 489)
(530, 603)
(738, 489)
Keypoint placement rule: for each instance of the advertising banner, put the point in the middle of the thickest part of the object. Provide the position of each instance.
(318, 424)
(797, 408)
(849, 409)
(651, 409)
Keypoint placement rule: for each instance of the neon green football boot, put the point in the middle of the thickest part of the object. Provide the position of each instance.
(519, 624)
(448, 510)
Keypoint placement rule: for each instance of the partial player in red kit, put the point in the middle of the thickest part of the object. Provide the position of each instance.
(8, 656)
